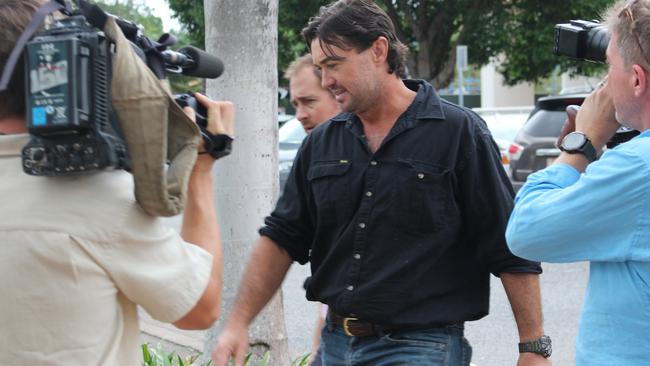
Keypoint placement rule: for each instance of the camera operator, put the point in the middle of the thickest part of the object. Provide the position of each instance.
(587, 209)
(78, 253)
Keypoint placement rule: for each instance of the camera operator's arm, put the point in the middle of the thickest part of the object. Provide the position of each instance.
(200, 224)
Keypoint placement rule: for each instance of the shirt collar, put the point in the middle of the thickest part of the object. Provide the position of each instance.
(427, 103)
(12, 145)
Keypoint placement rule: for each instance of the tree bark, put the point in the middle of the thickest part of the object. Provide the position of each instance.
(244, 35)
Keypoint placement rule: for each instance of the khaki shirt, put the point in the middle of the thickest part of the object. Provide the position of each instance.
(76, 256)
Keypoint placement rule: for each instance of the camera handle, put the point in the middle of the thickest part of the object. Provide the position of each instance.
(38, 18)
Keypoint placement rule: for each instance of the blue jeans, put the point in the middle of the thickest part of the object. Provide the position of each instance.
(444, 346)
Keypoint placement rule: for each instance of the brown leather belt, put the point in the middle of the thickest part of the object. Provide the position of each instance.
(354, 327)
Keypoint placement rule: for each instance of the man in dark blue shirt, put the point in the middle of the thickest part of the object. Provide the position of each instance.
(400, 205)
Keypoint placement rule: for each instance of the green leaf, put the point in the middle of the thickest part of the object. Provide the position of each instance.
(146, 355)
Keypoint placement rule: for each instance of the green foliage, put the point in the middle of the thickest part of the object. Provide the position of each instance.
(190, 14)
(158, 357)
(135, 12)
(524, 32)
(521, 31)
(301, 360)
(293, 16)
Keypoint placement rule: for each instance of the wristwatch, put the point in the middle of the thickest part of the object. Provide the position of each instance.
(540, 346)
(578, 143)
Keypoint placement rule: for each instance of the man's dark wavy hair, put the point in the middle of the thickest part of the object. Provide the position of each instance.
(356, 24)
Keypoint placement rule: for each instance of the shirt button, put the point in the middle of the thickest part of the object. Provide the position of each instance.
(362, 225)
(368, 194)
(373, 163)
(350, 287)
(357, 256)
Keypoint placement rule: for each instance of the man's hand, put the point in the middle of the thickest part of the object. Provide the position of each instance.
(532, 359)
(233, 342)
(597, 117)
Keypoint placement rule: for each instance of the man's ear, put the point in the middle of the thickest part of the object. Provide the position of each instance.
(640, 80)
(379, 50)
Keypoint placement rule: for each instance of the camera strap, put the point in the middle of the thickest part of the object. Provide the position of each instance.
(38, 18)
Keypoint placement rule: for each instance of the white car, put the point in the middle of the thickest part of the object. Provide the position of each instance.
(504, 123)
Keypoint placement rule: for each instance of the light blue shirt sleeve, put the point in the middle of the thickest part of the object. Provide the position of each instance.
(601, 215)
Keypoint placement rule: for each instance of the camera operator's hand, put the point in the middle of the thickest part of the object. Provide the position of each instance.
(597, 117)
(221, 115)
(220, 120)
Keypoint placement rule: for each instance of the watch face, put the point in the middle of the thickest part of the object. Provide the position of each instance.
(573, 141)
(545, 347)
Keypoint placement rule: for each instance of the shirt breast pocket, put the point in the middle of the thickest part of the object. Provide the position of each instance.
(421, 196)
(329, 183)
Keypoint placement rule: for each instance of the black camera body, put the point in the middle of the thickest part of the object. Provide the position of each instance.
(582, 40)
(70, 118)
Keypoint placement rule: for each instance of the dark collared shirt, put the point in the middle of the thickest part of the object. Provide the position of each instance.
(407, 235)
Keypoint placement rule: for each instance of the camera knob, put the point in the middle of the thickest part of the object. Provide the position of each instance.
(38, 154)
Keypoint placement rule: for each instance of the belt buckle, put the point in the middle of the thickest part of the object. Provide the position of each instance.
(346, 322)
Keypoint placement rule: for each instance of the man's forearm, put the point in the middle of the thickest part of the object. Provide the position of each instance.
(263, 276)
(200, 226)
(525, 299)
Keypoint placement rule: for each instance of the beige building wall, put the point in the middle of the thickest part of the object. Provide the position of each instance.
(494, 93)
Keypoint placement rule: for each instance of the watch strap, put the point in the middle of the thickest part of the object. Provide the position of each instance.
(217, 145)
(540, 346)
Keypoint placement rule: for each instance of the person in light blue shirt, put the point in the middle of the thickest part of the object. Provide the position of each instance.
(579, 210)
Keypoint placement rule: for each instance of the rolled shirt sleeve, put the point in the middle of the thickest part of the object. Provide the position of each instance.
(487, 198)
(291, 224)
(154, 267)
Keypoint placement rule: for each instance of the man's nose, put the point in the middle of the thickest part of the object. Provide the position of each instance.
(301, 114)
(326, 80)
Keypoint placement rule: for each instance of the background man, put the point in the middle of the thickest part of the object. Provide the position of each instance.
(400, 205)
(78, 253)
(314, 104)
(584, 210)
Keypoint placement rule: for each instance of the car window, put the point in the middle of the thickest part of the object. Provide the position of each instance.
(291, 132)
(545, 123)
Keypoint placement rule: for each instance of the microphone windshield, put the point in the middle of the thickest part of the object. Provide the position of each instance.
(205, 64)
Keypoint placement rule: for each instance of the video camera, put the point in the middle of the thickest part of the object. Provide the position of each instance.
(587, 41)
(68, 73)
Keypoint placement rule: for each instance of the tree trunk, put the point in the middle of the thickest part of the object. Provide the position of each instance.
(244, 35)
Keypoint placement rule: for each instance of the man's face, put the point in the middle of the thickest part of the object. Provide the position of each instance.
(313, 104)
(350, 75)
(620, 79)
